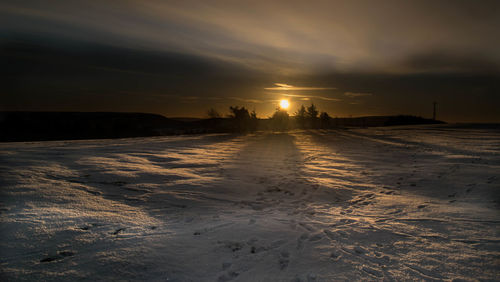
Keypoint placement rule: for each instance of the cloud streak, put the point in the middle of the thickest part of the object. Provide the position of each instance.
(253, 101)
(357, 94)
(288, 87)
(283, 87)
(309, 97)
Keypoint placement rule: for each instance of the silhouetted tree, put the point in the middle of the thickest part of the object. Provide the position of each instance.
(312, 115)
(280, 120)
(300, 117)
(241, 118)
(212, 113)
(239, 113)
(253, 114)
(324, 119)
(253, 121)
(312, 111)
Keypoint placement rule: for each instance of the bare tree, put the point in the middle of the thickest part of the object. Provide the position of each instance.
(213, 113)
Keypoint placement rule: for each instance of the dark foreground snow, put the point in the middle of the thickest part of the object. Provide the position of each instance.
(405, 203)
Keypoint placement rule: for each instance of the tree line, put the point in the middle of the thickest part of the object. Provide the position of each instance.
(305, 118)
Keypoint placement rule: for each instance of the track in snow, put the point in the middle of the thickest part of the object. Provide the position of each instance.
(394, 204)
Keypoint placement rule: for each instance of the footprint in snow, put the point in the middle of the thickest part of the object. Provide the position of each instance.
(396, 211)
(359, 250)
(330, 234)
(117, 231)
(300, 241)
(373, 272)
(347, 221)
(335, 255)
(284, 259)
(311, 277)
(233, 246)
(306, 226)
(60, 255)
(226, 265)
(228, 276)
(316, 237)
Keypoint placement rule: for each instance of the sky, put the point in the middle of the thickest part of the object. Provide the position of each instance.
(181, 58)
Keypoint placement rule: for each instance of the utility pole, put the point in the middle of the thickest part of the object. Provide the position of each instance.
(434, 111)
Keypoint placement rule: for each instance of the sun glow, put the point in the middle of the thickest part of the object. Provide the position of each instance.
(284, 104)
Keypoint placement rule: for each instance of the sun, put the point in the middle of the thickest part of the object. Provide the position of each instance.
(284, 104)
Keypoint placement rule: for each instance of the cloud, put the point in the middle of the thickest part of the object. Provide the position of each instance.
(288, 87)
(308, 97)
(255, 101)
(357, 94)
(440, 61)
(289, 35)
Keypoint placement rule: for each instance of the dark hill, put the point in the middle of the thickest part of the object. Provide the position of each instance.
(31, 126)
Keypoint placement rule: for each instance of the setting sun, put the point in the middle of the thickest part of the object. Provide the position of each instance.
(284, 104)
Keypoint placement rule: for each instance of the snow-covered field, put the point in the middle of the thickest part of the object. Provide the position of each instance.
(400, 203)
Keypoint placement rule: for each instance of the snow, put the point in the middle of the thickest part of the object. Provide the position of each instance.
(398, 203)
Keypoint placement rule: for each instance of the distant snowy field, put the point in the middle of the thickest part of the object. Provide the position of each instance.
(399, 203)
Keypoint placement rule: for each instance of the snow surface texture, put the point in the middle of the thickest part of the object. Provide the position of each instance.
(403, 203)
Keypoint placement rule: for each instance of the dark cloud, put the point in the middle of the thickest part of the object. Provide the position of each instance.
(88, 76)
(441, 61)
(278, 36)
